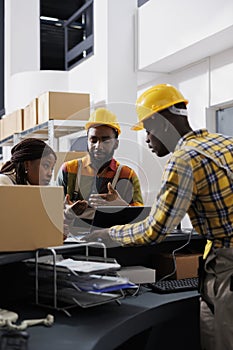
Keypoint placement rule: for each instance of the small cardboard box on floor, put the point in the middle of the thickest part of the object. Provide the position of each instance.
(62, 106)
(186, 265)
(31, 217)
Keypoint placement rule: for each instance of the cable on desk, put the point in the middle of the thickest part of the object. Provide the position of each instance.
(131, 292)
(174, 258)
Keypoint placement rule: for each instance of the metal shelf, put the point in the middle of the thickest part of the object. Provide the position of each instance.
(50, 130)
(8, 141)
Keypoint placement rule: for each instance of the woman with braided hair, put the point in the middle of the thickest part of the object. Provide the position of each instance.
(32, 162)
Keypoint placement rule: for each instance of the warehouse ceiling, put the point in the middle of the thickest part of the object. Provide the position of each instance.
(52, 32)
(61, 9)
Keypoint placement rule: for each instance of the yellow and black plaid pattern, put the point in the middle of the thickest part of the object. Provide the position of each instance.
(193, 184)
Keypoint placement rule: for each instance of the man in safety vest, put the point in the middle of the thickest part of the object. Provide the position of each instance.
(98, 179)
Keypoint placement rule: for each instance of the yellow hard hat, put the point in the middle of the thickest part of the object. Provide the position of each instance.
(154, 100)
(102, 116)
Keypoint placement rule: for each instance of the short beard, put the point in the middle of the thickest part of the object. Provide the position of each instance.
(99, 163)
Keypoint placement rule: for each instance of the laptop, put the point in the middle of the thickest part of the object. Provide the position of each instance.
(107, 216)
(31, 217)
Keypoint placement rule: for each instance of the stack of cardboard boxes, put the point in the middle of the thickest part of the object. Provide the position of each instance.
(47, 106)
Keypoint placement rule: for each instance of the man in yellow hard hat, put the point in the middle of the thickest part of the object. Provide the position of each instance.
(98, 179)
(198, 180)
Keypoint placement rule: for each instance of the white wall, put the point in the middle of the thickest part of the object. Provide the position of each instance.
(24, 35)
(21, 45)
(221, 77)
(172, 34)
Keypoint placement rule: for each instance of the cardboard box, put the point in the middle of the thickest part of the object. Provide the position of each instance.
(186, 265)
(64, 157)
(1, 129)
(26, 113)
(33, 221)
(31, 114)
(12, 123)
(63, 105)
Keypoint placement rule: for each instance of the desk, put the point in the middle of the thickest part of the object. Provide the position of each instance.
(144, 255)
(7, 258)
(147, 321)
(128, 255)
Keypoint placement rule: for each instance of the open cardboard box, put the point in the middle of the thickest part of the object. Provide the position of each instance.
(186, 265)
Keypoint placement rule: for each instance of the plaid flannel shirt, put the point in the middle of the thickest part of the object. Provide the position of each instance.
(193, 184)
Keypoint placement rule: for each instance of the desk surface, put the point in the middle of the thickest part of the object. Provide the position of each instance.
(108, 326)
(128, 255)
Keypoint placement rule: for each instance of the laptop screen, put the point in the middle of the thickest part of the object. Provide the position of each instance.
(108, 216)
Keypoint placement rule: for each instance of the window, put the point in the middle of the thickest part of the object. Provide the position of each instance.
(66, 29)
(141, 2)
(79, 142)
(224, 121)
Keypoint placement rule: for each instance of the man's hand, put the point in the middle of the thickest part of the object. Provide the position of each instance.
(110, 198)
(100, 236)
(70, 211)
(77, 207)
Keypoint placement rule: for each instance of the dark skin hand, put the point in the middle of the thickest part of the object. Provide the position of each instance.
(110, 198)
(78, 207)
(101, 236)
